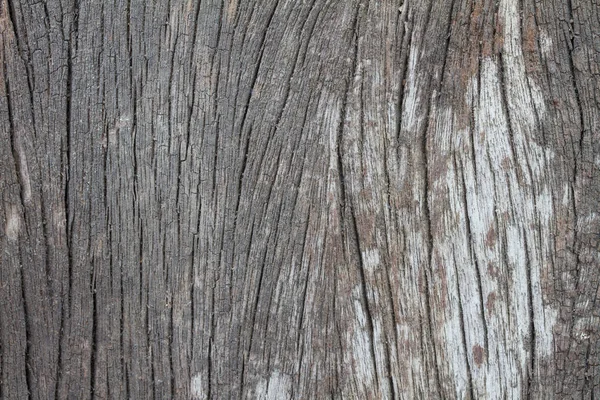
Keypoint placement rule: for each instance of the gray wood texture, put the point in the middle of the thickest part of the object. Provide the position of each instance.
(299, 199)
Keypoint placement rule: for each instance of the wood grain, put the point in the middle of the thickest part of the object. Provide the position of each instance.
(299, 199)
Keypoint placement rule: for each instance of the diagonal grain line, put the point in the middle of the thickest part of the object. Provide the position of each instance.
(462, 329)
(309, 33)
(473, 255)
(306, 281)
(345, 200)
(254, 78)
(502, 76)
(406, 50)
(364, 291)
(430, 242)
(246, 354)
(392, 308)
(451, 14)
(197, 27)
(257, 298)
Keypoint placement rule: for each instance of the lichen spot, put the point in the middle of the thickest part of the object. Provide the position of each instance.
(196, 392)
(13, 224)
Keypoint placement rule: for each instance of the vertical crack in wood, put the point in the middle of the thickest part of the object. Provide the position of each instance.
(304, 289)
(209, 366)
(29, 377)
(347, 214)
(406, 50)
(447, 44)
(246, 352)
(505, 105)
(152, 371)
(392, 310)
(473, 256)
(73, 35)
(364, 292)
(430, 242)
(175, 139)
(94, 339)
(532, 343)
(577, 156)
(122, 356)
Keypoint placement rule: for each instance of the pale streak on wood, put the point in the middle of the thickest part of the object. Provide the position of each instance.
(113, 132)
(59, 221)
(524, 100)
(501, 175)
(451, 250)
(371, 259)
(491, 191)
(505, 214)
(545, 43)
(412, 115)
(488, 199)
(13, 223)
(277, 387)
(361, 360)
(196, 388)
(231, 10)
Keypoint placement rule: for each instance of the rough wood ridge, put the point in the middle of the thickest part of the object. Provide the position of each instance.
(299, 199)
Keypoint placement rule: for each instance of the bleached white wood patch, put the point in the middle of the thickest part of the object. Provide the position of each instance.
(277, 387)
(196, 389)
(13, 223)
(371, 259)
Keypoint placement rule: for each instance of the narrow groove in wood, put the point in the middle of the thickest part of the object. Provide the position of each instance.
(430, 243)
(463, 332)
(532, 345)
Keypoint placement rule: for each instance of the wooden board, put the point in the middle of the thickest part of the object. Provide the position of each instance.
(299, 199)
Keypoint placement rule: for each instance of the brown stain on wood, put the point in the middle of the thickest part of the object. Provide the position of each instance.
(506, 163)
(530, 36)
(499, 37)
(491, 300)
(491, 237)
(492, 270)
(443, 279)
(478, 355)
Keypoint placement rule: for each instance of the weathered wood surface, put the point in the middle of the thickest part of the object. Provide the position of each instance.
(299, 199)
